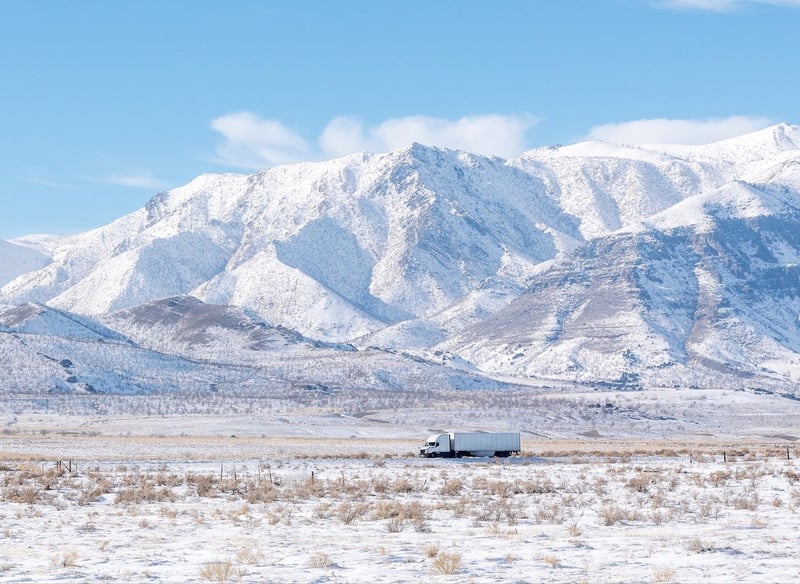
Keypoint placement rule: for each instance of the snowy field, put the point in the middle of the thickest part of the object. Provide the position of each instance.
(202, 508)
(659, 486)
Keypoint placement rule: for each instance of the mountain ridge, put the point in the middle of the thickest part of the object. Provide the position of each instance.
(451, 256)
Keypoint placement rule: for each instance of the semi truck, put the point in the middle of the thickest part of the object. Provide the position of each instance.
(457, 444)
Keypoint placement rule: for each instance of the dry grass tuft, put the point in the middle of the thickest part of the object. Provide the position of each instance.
(396, 524)
(549, 559)
(446, 563)
(220, 571)
(66, 559)
(698, 546)
(663, 575)
(611, 514)
(349, 512)
(453, 487)
(319, 560)
(250, 554)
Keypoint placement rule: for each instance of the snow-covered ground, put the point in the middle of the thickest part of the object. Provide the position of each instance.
(276, 509)
(612, 486)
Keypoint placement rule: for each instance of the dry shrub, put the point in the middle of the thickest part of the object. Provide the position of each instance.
(380, 485)
(705, 507)
(66, 559)
(350, 489)
(792, 476)
(549, 559)
(402, 485)
(306, 489)
(386, 510)
(274, 518)
(250, 554)
(452, 487)
(319, 560)
(431, 550)
(495, 529)
(657, 498)
(349, 512)
(657, 516)
(323, 510)
(91, 493)
(49, 479)
(719, 477)
(600, 486)
(611, 514)
(503, 489)
(396, 524)
(27, 494)
(574, 529)
(205, 485)
(447, 563)
(748, 501)
(663, 575)
(640, 482)
(539, 486)
(262, 492)
(414, 511)
(145, 494)
(550, 512)
(462, 507)
(220, 571)
(502, 509)
(697, 546)
(168, 512)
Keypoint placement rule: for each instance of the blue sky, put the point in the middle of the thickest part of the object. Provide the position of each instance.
(103, 104)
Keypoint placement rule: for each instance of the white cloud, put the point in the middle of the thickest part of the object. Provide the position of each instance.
(493, 134)
(253, 142)
(140, 180)
(667, 131)
(721, 5)
(48, 183)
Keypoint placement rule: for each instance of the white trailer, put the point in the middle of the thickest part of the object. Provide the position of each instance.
(457, 444)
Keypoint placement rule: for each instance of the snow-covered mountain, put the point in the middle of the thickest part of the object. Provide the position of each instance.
(16, 260)
(334, 250)
(719, 292)
(591, 262)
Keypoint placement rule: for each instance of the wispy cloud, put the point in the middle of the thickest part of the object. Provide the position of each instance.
(493, 134)
(254, 142)
(676, 131)
(138, 180)
(721, 5)
(48, 183)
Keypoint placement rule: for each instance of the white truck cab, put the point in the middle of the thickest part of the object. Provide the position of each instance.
(436, 445)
